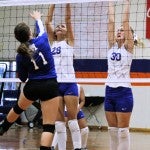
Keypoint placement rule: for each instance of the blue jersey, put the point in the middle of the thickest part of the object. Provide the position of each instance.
(41, 64)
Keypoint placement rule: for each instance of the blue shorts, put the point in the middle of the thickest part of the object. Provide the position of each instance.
(80, 114)
(118, 99)
(68, 89)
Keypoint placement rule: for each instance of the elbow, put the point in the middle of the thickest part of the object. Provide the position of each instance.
(46, 21)
(111, 21)
(125, 21)
(68, 19)
(22, 78)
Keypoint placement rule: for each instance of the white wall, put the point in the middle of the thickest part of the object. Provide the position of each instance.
(141, 109)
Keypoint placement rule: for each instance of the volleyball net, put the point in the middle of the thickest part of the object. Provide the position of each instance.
(89, 20)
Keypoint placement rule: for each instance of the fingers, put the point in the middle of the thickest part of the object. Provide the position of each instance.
(36, 15)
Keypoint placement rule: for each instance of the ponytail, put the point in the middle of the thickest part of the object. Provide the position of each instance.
(24, 49)
(137, 41)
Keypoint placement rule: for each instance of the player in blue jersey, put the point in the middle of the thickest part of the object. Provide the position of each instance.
(119, 97)
(62, 41)
(35, 65)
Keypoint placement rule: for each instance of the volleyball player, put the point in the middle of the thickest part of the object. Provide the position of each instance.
(119, 97)
(62, 41)
(35, 63)
(81, 121)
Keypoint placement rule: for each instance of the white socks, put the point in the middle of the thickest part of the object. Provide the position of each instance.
(114, 140)
(119, 138)
(55, 140)
(124, 139)
(61, 134)
(75, 133)
(84, 137)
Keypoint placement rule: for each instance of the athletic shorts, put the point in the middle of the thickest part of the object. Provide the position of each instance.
(68, 89)
(41, 89)
(80, 114)
(118, 99)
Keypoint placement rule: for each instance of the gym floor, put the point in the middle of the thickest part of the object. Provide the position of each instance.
(24, 138)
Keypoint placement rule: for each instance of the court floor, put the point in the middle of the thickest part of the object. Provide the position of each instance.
(23, 138)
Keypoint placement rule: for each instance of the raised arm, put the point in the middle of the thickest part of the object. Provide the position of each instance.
(111, 25)
(129, 40)
(48, 23)
(70, 35)
(39, 28)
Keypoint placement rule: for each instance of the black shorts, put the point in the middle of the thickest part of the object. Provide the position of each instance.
(41, 89)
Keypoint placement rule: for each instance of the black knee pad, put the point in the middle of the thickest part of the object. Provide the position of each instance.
(44, 148)
(49, 128)
(17, 109)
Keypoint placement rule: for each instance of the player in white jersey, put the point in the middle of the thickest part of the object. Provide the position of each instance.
(119, 97)
(62, 41)
(81, 121)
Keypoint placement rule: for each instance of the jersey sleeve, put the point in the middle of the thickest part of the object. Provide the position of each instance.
(39, 28)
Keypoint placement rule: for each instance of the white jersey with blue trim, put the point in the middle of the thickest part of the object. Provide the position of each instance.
(63, 58)
(119, 64)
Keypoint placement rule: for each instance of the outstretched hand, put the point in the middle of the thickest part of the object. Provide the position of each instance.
(36, 15)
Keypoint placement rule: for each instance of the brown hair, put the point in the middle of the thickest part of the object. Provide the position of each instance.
(22, 34)
(24, 49)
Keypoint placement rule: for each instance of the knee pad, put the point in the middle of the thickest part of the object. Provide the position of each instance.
(49, 128)
(17, 109)
(84, 131)
(73, 125)
(123, 132)
(60, 126)
(44, 148)
(113, 131)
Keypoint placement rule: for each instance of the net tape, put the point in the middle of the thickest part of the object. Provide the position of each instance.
(88, 80)
(40, 2)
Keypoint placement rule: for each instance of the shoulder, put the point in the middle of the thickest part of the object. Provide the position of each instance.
(66, 43)
(19, 57)
(114, 46)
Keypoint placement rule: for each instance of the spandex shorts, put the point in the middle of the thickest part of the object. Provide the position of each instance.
(118, 99)
(41, 89)
(68, 89)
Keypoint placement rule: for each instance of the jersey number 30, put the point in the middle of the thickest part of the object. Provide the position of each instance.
(116, 56)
